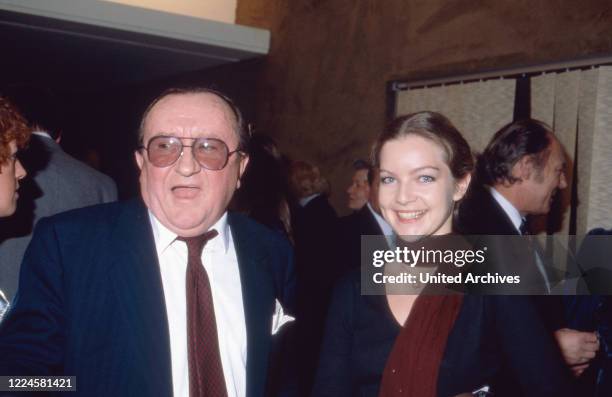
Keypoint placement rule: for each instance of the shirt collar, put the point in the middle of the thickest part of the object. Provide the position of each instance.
(42, 133)
(304, 201)
(164, 237)
(509, 209)
(386, 228)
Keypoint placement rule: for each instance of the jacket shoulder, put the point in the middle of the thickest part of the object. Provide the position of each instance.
(92, 216)
(479, 213)
(261, 233)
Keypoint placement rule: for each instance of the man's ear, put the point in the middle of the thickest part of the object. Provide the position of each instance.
(139, 159)
(523, 168)
(244, 161)
(461, 187)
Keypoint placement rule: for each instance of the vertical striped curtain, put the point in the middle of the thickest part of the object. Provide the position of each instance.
(578, 106)
(477, 109)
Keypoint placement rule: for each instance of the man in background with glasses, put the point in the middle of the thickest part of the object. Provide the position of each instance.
(167, 295)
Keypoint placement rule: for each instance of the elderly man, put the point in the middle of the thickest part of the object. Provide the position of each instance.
(122, 295)
(521, 169)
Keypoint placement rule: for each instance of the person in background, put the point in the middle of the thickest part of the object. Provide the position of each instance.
(316, 242)
(263, 196)
(264, 190)
(590, 310)
(518, 174)
(366, 221)
(14, 135)
(58, 182)
(402, 344)
(359, 189)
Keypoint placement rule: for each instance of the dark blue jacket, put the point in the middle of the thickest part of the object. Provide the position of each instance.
(496, 340)
(90, 302)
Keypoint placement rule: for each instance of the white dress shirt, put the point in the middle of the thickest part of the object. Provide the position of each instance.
(509, 209)
(219, 260)
(382, 223)
(517, 219)
(305, 200)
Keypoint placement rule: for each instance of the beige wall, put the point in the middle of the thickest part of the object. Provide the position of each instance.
(216, 10)
(322, 91)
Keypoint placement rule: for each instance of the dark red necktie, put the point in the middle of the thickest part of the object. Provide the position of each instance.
(205, 370)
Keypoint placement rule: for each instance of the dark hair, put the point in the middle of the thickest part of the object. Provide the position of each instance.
(39, 106)
(264, 191)
(13, 127)
(511, 143)
(240, 128)
(360, 164)
(436, 128)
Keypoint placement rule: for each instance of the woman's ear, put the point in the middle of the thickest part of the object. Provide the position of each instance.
(461, 187)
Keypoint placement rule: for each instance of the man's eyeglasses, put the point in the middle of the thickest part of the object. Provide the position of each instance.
(210, 153)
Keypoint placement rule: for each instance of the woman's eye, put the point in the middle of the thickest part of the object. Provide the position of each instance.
(426, 179)
(384, 180)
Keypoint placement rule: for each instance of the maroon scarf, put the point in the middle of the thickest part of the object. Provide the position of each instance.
(412, 367)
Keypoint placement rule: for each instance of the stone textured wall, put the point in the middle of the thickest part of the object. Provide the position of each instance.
(321, 91)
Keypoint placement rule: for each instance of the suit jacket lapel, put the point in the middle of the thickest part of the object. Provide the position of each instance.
(498, 215)
(135, 276)
(258, 297)
(369, 223)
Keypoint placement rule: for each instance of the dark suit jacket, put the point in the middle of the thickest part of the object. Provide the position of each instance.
(487, 225)
(351, 228)
(90, 302)
(315, 228)
(485, 222)
(56, 182)
(496, 340)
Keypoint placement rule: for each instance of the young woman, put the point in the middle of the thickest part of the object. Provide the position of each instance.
(431, 345)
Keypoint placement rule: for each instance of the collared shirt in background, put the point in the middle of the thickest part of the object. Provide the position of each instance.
(384, 226)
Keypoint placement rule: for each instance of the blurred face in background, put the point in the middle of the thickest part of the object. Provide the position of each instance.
(417, 191)
(374, 188)
(11, 172)
(304, 179)
(359, 190)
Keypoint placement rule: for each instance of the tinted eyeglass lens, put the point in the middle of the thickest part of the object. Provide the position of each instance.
(163, 151)
(210, 153)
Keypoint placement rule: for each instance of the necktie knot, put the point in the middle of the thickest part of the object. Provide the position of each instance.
(524, 229)
(196, 244)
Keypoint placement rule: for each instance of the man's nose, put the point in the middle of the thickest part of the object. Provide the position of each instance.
(562, 182)
(187, 164)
